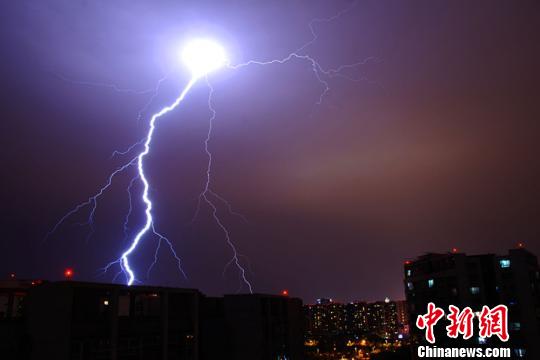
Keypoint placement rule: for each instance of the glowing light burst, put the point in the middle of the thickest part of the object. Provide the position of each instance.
(201, 57)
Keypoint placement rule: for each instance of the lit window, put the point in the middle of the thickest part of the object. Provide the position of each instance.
(409, 272)
(410, 286)
(504, 263)
(515, 326)
(475, 290)
(481, 340)
(520, 352)
(430, 283)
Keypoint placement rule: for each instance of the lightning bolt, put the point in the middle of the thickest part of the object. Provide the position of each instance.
(149, 223)
(311, 25)
(92, 200)
(130, 208)
(207, 196)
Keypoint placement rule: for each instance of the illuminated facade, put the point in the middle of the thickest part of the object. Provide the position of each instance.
(402, 318)
(332, 319)
(382, 319)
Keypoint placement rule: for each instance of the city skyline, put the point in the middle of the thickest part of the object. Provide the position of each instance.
(433, 148)
(186, 323)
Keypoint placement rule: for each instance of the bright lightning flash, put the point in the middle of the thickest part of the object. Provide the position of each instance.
(201, 57)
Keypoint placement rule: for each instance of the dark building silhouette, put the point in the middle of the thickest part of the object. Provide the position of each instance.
(477, 280)
(252, 327)
(76, 320)
(13, 335)
(73, 320)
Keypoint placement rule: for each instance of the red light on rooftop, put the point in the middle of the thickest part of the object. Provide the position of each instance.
(454, 250)
(12, 276)
(68, 273)
(521, 245)
(285, 292)
(407, 262)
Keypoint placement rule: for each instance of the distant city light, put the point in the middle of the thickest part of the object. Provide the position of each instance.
(285, 292)
(36, 282)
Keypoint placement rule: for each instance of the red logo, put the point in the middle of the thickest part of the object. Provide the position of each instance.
(460, 322)
(491, 322)
(494, 322)
(429, 320)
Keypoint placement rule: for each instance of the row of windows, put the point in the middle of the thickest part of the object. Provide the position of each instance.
(503, 263)
(474, 290)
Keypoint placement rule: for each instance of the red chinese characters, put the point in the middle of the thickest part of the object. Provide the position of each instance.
(460, 322)
(494, 322)
(429, 320)
(491, 322)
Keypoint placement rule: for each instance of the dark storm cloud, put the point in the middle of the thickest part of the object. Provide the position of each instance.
(435, 149)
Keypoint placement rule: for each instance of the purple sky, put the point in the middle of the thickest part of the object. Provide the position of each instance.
(436, 149)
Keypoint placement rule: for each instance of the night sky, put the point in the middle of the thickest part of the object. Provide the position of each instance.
(436, 147)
